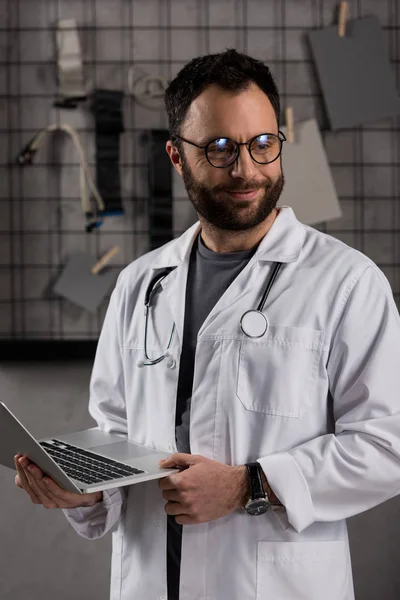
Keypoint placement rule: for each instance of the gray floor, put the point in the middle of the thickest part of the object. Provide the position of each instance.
(42, 557)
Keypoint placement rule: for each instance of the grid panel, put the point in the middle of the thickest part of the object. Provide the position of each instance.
(40, 216)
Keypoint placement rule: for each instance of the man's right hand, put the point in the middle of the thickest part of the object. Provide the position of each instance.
(44, 490)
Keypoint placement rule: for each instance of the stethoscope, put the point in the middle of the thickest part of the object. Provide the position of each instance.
(157, 279)
(253, 322)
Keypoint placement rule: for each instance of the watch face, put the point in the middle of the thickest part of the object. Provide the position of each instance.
(257, 507)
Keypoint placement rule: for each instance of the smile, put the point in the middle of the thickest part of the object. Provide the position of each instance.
(248, 195)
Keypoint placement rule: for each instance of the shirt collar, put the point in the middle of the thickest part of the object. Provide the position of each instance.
(282, 243)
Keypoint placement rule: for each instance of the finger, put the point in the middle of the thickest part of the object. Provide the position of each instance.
(34, 477)
(169, 483)
(27, 489)
(66, 499)
(50, 494)
(176, 508)
(186, 520)
(23, 482)
(172, 495)
(59, 495)
(180, 459)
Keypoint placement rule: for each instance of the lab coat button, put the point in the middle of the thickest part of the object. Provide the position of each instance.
(171, 363)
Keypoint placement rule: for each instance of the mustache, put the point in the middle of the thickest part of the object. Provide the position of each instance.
(243, 187)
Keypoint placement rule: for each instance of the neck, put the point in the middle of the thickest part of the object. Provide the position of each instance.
(221, 240)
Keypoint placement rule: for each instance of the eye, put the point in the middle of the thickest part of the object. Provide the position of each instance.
(221, 152)
(262, 142)
(264, 145)
(219, 146)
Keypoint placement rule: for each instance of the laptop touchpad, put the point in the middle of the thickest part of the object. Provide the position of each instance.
(122, 450)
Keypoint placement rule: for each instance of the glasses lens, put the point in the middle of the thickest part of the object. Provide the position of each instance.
(221, 152)
(265, 148)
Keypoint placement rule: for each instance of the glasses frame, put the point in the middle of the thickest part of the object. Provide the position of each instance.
(238, 144)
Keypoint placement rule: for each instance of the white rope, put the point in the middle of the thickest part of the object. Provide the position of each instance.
(85, 177)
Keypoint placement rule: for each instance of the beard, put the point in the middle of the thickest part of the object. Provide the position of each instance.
(232, 215)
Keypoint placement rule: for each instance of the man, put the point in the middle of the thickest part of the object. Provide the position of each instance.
(306, 386)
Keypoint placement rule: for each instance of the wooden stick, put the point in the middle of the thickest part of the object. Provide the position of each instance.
(289, 124)
(342, 18)
(104, 260)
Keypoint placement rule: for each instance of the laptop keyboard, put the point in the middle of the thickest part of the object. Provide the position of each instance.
(86, 466)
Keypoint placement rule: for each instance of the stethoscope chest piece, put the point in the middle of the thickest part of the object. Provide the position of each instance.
(254, 323)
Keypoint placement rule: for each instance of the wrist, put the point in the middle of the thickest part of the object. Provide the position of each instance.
(98, 498)
(243, 488)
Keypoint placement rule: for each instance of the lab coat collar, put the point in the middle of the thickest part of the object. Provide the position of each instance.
(285, 239)
(282, 243)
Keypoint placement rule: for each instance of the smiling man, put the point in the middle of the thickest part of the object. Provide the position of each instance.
(235, 195)
(266, 363)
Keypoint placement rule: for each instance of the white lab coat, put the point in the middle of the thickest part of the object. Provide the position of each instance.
(315, 401)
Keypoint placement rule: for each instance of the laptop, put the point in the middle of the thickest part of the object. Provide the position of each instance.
(83, 462)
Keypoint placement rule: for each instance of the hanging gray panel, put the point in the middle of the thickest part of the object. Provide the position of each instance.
(357, 80)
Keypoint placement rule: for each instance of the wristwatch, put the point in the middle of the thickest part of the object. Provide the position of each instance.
(258, 503)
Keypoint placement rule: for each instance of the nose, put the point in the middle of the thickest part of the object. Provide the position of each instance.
(244, 166)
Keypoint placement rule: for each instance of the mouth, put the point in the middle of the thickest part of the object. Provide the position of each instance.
(244, 195)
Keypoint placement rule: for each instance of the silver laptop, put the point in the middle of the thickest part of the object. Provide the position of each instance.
(82, 462)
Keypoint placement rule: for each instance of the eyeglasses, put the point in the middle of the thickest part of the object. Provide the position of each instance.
(223, 152)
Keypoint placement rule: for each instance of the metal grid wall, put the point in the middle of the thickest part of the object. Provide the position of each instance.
(40, 216)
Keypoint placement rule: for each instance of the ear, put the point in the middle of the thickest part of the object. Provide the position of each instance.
(174, 155)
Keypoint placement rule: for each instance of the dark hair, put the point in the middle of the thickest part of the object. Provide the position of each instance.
(230, 69)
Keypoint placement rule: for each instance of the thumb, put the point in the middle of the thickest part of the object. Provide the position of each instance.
(179, 459)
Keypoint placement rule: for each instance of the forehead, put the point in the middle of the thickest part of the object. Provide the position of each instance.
(218, 112)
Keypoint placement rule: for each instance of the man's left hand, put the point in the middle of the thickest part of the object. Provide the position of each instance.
(204, 491)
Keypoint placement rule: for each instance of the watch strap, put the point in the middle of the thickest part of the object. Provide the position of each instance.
(267, 492)
(255, 480)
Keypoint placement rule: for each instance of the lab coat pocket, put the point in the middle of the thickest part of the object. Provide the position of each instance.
(116, 566)
(303, 570)
(277, 373)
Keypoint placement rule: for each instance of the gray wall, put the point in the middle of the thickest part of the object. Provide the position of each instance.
(40, 223)
(41, 557)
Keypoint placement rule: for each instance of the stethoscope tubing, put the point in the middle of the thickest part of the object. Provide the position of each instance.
(268, 287)
(258, 311)
(150, 288)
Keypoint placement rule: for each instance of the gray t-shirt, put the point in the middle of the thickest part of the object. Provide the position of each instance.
(210, 274)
